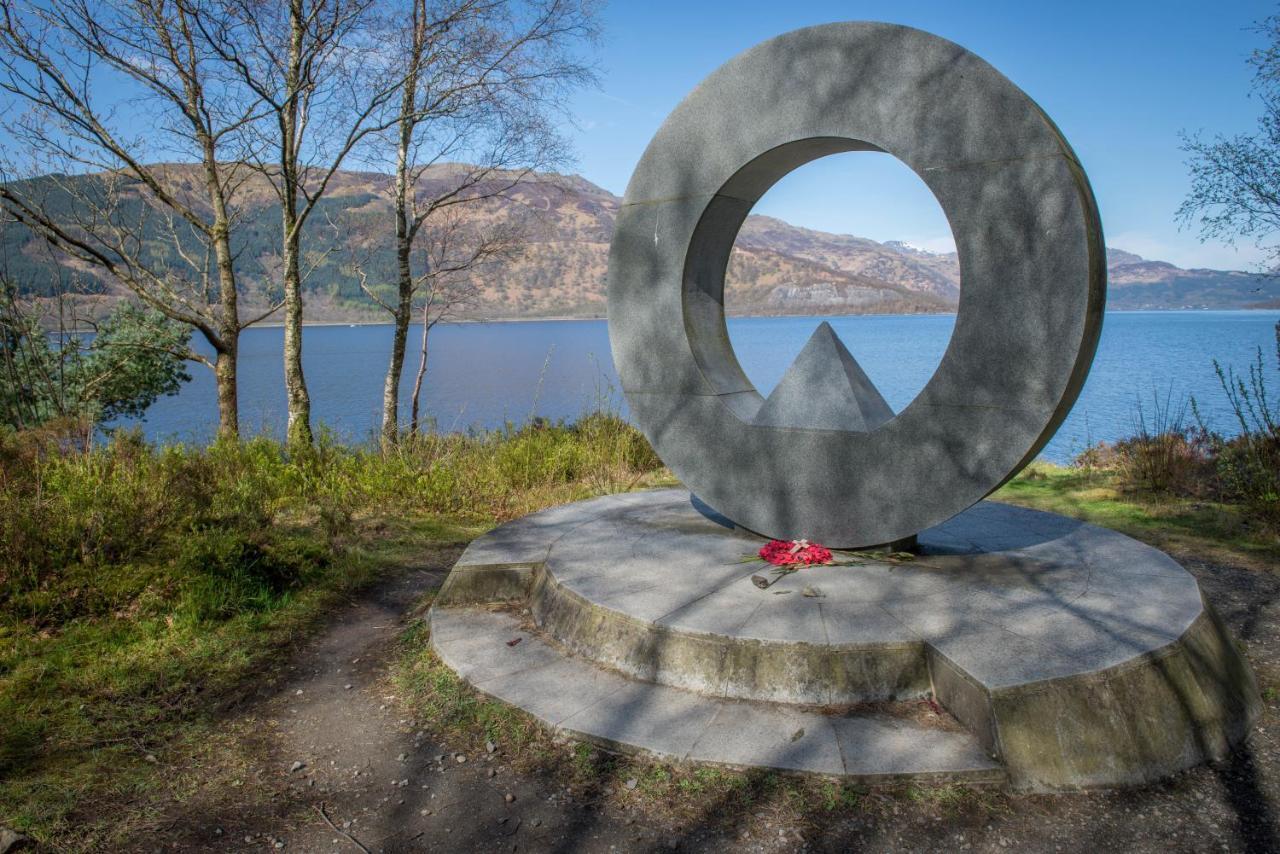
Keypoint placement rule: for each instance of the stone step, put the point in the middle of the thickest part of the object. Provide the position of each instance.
(580, 698)
(1077, 655)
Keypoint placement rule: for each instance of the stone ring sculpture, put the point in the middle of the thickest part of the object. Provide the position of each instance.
(824, 457)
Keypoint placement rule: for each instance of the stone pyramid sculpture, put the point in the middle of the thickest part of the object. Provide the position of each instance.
(825, 389)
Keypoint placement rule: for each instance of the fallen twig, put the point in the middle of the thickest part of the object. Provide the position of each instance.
(338, 830)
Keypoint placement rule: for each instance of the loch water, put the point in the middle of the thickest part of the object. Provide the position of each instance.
(485, 375)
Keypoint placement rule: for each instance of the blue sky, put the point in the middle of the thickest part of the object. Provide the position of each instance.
(1121, 79)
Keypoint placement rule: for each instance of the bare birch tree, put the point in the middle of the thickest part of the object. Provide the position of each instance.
(481, 80)
(322, 70)
(448, 259)
(103, 94)
(1235, 181)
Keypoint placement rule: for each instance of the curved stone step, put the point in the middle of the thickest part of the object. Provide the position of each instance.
(1077, 655)
(572, 695)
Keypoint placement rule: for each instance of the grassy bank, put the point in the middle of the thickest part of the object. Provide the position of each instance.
(1167, 520)
(143, 591)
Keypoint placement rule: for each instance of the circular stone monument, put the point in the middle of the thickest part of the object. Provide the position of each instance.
(824, 457)
(1012, 645)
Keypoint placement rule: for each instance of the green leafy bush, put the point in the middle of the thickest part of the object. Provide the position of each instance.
(230, 572)
(134, 357)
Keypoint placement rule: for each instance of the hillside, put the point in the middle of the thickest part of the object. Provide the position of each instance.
(1136, 283)
(567, 222)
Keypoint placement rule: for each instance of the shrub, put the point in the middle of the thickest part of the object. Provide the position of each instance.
(230, 572)
(1174, 461)
(211, 527)
(1163, 455)
(135, 356)
(1248, 465)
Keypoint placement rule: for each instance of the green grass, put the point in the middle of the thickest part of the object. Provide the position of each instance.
(1165, 520)
(143, 591)
(87, 704)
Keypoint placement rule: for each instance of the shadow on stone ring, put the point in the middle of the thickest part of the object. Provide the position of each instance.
(824, 457)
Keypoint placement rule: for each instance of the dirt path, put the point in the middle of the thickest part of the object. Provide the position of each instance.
(387, 786)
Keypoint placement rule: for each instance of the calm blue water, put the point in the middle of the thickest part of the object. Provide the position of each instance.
(484, 374)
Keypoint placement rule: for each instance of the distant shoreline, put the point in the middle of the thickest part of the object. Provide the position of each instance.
(459, 322)
(572, 318)
(769, 316)
(563, 318)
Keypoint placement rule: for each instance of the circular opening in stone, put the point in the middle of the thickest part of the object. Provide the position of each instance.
(849, 251)
(855, 239)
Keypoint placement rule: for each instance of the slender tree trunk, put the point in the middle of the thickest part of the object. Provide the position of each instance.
(399, 338)
(228, 348)
(225, 368)
(422, 370)
(404, 281)
(404, 241)
(299, 401)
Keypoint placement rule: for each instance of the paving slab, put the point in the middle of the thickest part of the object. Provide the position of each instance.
(527, 539)
(476, 648)
(883, 746)
(794, 619)
(578, 697)
(757, 735)
(556, 692)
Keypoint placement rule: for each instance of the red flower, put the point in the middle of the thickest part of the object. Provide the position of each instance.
(789, 552)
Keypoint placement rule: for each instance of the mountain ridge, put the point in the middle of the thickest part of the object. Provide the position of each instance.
(775, 269)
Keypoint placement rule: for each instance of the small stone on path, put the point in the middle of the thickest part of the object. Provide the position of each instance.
(11, 840)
